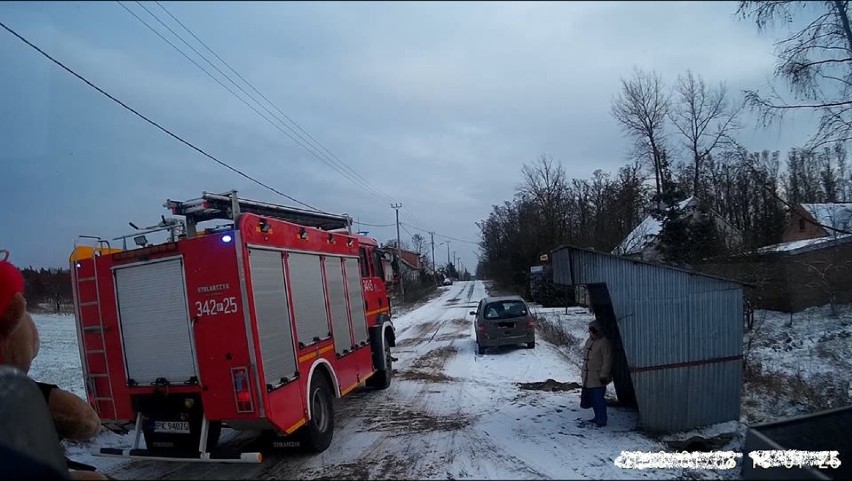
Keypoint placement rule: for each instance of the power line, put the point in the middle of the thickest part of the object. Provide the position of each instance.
(439, 234)
(231, 91)
(351, 175)
(373, 225)
(303, 142)
(406, 230)
(456, 239)
(315, 149)
(309, 148)
(155, 124)
(317, 142)
(418, 228)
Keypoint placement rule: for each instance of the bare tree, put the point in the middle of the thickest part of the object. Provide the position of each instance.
(545, 185)
(418, 244)
(641, 107)
(825, 276)
(704, 118)
(816, 61)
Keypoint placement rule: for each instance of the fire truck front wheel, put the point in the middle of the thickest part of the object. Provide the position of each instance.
(317, 434)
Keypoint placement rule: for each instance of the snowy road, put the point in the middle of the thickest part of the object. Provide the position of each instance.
(450, 414)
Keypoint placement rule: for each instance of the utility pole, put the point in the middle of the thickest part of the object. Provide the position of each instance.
(448, 254)
(399, 251)
(432, 236)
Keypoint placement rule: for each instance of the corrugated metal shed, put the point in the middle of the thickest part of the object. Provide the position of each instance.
(677, 336)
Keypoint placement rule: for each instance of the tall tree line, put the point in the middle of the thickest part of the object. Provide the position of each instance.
(47, 286)
(684, 141)
(685, 147)
(549, 209)
(746, 189)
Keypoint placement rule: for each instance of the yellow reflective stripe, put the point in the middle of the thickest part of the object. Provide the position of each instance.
(377, 311)
(308, 357)
(296, 426)
(312, 355)
(346, 391)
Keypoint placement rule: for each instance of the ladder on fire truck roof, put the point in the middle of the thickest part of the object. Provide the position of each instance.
(228, 206)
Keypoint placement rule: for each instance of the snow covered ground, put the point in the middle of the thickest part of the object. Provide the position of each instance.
(797, 363)
(58, 362)
(453, 414)
(450, 413)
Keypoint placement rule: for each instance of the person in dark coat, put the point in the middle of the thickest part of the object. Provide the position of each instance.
(597, 365)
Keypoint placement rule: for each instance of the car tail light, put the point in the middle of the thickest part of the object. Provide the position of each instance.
(242, 389)
(530, 322)
(480, 327)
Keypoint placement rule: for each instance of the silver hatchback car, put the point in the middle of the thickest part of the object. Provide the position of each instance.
(502, 321)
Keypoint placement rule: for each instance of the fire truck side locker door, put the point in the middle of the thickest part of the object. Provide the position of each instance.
(337, 300)
(272, 310)
(356, 301)
(308, 298)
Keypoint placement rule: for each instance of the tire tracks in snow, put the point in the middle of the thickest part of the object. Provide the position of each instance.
(415, 429)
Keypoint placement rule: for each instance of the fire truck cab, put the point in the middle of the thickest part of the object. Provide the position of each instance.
(256, 325)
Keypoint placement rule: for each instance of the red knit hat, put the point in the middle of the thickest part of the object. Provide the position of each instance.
(11, 283)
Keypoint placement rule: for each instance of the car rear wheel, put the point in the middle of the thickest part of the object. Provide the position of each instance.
(531, 345)
(480, 349)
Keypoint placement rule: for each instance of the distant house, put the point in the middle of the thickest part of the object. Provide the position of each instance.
(643, 242)
(410, 267)
(412, 259)
(812, 267)
(806, 221)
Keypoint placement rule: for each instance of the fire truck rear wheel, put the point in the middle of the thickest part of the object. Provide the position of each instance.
(382, 379)
(317, 434)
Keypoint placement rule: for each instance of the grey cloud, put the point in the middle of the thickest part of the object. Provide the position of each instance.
(438, 104)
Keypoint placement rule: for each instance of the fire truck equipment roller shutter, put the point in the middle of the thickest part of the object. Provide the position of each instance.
(337, 300)
(272, 312)
(154, 321)
(308, 297)
(356, 301)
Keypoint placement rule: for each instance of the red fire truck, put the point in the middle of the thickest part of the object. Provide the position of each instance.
(255, 325)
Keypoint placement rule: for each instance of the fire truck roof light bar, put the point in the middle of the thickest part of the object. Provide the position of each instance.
(219, 206)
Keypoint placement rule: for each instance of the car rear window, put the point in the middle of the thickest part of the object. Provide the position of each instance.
(505, 309)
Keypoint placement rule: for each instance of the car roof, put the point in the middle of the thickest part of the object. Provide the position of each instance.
(504, 298)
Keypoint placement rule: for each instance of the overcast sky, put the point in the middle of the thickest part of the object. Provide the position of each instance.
(438, 105)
